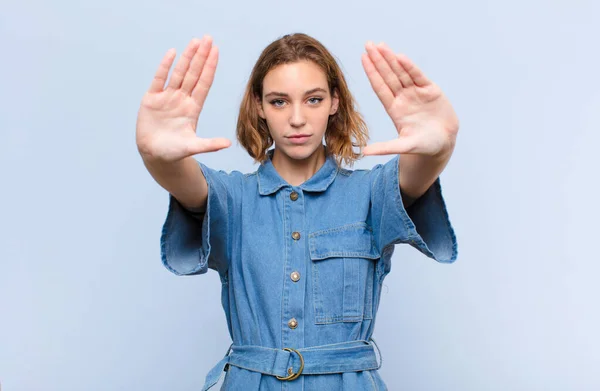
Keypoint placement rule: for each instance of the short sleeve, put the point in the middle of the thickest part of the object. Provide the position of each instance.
(191, 243)
(425, 225)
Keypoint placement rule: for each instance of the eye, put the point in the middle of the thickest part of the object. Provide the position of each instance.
(277, 102)
(315, 100)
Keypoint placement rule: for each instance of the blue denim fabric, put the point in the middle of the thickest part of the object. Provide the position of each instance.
(350, 356)
(338, 234)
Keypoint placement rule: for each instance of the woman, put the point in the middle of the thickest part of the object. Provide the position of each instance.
(302, 245)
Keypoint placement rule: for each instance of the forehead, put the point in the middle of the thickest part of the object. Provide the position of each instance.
(298, 76)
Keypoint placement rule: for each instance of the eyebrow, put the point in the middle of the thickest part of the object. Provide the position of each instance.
(283, 94)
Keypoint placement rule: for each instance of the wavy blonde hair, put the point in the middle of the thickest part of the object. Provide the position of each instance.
(346, 128)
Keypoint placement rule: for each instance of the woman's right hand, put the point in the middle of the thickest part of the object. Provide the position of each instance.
(167, 118)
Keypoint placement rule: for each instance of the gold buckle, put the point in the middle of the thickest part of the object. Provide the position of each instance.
(292, 375)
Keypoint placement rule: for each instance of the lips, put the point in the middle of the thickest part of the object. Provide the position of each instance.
(298, 138)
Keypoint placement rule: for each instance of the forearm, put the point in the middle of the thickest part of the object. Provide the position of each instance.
(417, 173)
(183, 179)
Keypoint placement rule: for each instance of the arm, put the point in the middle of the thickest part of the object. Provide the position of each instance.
(167, 118)
(183, 179)
(416, 174)
(425, 121)
(425, 225)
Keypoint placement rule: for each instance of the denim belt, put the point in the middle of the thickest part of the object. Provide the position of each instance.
(288, 364)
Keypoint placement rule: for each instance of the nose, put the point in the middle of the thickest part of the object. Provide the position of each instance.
(297, 118)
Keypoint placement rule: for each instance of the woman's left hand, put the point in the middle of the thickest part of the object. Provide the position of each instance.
(424, 118)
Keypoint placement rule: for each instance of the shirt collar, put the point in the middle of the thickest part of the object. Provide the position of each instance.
(269, 180)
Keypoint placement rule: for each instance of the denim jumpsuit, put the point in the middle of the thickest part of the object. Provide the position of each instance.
(301, 268)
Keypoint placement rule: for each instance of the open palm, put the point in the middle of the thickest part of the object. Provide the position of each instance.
(167, 118)
(424, 118)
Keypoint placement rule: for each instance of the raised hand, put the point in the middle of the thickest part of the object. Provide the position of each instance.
(167, 118)
(424, 118)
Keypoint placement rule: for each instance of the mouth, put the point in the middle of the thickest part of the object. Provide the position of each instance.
(298, 138)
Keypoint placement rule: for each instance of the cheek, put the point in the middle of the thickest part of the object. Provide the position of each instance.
(320, 118)
(275, 121)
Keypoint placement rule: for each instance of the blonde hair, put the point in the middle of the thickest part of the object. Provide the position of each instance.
(345, 129)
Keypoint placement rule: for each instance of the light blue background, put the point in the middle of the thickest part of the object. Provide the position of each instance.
(85, 303)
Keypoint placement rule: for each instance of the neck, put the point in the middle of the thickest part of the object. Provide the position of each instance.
(296, 172)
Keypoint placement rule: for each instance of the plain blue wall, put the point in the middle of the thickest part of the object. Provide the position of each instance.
(85, 303)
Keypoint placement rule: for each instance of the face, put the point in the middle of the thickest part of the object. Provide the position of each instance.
(296, 105)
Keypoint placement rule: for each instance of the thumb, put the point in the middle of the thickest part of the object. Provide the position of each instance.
(204, 145)
(397, 146)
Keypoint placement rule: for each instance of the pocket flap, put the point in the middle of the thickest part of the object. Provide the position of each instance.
(351, 240)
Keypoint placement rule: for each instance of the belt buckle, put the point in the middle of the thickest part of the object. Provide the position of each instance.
(293, 376)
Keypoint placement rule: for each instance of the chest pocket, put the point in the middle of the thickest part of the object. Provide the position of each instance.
(343, 273)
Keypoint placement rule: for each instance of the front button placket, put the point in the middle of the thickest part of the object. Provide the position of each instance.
(294, 289)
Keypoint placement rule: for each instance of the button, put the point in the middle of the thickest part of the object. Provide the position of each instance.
(295, 276)
(293, 323)
(290, 371)
(296, 235)
(293, 196)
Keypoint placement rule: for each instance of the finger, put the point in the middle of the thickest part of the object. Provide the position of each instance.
(383, 92)
(160, 78)
(399, 71)
(206, 77)
(397, 146)
(384, 69)
(183, 64)
(204, 145)
(193, 73)
(415, 73)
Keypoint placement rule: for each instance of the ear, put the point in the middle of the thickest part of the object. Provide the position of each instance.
(335, 101)
(259, 107)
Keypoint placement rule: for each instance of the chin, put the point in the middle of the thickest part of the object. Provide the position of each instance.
(300, 152)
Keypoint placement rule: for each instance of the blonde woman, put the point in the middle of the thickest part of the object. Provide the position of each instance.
(303, 244)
